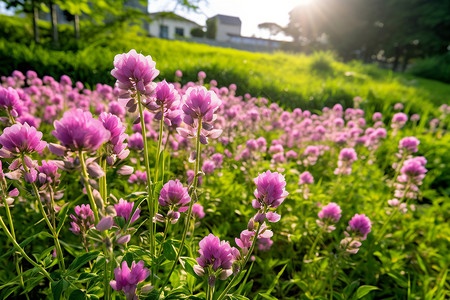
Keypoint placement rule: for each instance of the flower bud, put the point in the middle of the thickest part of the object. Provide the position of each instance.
(105, 224)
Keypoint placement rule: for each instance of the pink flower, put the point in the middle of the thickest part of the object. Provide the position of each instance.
(135, 71)
(79, 131)
(332, 212)
(126, 280)
(20, 139)
(306, 178)
(361, 225)
(124, 209)
(174, 193)
(83, 221)
(270, 190)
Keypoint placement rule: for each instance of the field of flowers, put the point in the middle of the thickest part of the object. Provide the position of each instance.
(158, 190)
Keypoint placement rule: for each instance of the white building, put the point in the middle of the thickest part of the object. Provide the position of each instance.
(167, 25)
(226, 26)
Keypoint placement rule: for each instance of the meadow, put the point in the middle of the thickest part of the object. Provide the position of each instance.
(244, 176)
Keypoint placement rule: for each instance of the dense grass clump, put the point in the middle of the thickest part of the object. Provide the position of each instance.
(293, 80)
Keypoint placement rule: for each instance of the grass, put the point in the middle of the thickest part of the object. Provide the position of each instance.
(293, 80)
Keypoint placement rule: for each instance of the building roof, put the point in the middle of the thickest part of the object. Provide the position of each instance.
(170, 15)
(230, 20)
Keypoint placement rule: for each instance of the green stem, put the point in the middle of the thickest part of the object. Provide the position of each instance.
(17, 246)
(191, 204)
(388, 221)
(151, 204)
(11, 226)
(247, 257)
(102, 182)
(311, 251)
(88, 187)
(158, 152)
(44, 214)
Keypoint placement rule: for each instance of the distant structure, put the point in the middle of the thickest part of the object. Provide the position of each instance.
(225, 27)
(168, 25)
(221, 31)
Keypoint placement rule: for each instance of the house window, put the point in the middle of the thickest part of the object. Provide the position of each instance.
(179, 31)
(163, 32)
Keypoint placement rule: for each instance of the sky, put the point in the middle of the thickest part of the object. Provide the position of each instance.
(251, 12)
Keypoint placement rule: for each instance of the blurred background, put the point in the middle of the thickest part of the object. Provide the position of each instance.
(80, 38)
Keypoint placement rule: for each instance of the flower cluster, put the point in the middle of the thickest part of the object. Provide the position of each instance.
(175, 196)
(270, 192)
(83, 220)
(358, 229)
(216, 259)
(330, 214)
(127, 279)
(346, 158)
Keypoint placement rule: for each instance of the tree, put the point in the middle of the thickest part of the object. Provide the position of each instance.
(28, 7)
(272, 28)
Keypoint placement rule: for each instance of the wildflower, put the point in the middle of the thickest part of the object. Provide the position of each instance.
(79, 131)
(360, 225)
(48, 172)
(135, 72)
(20, 139)
(10, 101)
(270, 190)
(83, 221)
(136, 141)
(197, 211)
(409, 144)
(164, 97)
(346, 158)
(306, 178)
(124, 209)
(115, 145)
(217, 255)
(199, 103)
(127, 279)
(174, 193)
(138, 177)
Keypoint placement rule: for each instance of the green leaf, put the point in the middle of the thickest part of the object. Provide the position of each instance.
(58, 287)
(77, 295)
(188, 265)
(169, 251)
(266, 296)
(120, 221)
(81, 260)
(128, 258)
(364, 290)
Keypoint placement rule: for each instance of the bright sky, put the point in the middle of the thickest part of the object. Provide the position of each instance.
(251, 12)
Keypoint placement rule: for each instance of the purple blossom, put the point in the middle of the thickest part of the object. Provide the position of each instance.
(10, 101)
(164, 97)
(409, 144)
(135, 71)
(306, 178)
(125, 208)
(217, 254)
(136, 141)
(331, 212)
(199, 103)
(139, 177)
(21, 139)
(116, 129)
(48, 172)
(174, 193)
(197, 211)
(360, 225)
(79, 131)
(127, 279)
(270, 190)
(84, 219)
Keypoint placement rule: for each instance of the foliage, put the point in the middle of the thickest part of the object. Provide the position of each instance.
(280, 77)
(406, 251)
(434, 67)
